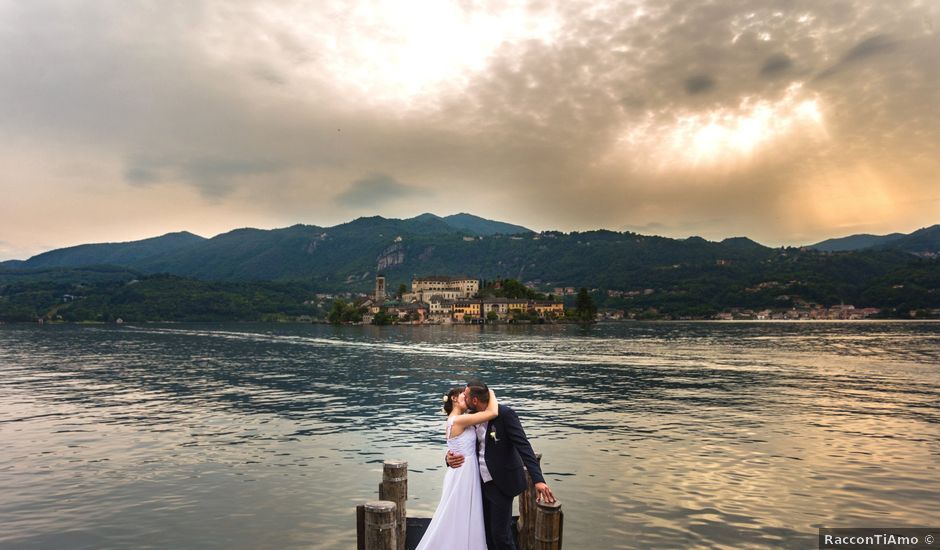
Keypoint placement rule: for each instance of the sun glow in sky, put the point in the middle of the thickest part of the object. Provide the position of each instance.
(384, 54)
(787, 123)
(726, 136)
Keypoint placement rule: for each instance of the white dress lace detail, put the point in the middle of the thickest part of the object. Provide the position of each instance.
(458, 521)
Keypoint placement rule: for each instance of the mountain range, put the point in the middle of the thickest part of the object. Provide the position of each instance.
(181, 276)
(349, 255)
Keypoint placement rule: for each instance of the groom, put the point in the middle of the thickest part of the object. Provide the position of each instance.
(503, 449)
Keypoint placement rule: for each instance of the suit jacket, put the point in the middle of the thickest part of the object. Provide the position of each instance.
(507, 450)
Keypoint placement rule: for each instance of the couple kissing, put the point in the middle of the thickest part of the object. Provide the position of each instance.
(486, 451)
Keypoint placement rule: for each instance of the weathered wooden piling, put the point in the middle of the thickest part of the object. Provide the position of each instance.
(526, 523)
(394, 488)
(361, 527)
(381, 525)
(548, 526)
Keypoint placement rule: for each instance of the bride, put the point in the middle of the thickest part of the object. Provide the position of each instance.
(458, 521)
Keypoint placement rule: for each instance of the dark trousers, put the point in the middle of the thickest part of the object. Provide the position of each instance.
(497, 517)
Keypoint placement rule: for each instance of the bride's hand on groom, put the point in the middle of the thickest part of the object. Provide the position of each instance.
(544, 494)
(454, 460)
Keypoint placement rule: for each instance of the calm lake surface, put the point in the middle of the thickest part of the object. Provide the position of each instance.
(661, 434)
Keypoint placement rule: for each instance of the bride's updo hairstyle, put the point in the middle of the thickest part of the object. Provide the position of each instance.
(449, 399)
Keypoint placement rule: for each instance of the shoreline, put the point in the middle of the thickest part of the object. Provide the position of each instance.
(603, 322)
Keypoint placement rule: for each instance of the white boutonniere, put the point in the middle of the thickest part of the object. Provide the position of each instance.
(493, 435)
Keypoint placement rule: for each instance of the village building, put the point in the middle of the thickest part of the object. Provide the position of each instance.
(416, 312)
(502, 306)
(449, 288)
(464, 309)
(552, 309)
(440, 309)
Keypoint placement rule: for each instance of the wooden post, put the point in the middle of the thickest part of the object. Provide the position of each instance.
(549, 521)
(381, 525)
(526, 525)
(394, 487)
(361, 527)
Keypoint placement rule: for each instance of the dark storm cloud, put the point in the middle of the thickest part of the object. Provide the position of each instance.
(214, 177)
(699, 84)
(870, 47)
(268, 74)
(141, 174)
(874, 45)
(775, 65)
(375, 190)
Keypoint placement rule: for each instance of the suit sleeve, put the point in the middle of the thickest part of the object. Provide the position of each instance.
(517, 436)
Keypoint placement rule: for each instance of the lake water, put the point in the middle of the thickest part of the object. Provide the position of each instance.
(653, 434)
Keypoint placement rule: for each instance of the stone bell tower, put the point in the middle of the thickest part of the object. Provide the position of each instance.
(379, 289)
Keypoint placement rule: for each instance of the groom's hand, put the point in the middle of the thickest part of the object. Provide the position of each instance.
(454, 460)
(544, 493)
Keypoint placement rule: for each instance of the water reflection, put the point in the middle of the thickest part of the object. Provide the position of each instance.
(664, 434)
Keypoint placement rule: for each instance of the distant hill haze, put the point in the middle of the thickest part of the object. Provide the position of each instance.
(925, 240)
(856, 242)
(481, 226)
(124, 254)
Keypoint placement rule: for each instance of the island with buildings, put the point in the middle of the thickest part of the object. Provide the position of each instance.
(441, 299)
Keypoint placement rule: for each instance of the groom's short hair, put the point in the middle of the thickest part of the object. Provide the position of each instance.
(481, 393)
(478, 383)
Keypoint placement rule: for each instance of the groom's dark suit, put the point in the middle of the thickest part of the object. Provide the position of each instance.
(507, 450)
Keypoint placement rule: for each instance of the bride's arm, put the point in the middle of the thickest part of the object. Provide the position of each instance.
(472, 419)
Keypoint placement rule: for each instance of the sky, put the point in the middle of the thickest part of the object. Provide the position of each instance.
(785, 121)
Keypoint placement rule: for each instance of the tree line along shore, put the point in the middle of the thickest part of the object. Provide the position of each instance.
(107, 295)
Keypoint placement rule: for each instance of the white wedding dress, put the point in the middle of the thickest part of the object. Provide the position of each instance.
(458, 521)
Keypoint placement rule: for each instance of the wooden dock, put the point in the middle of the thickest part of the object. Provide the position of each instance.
(383, 524)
